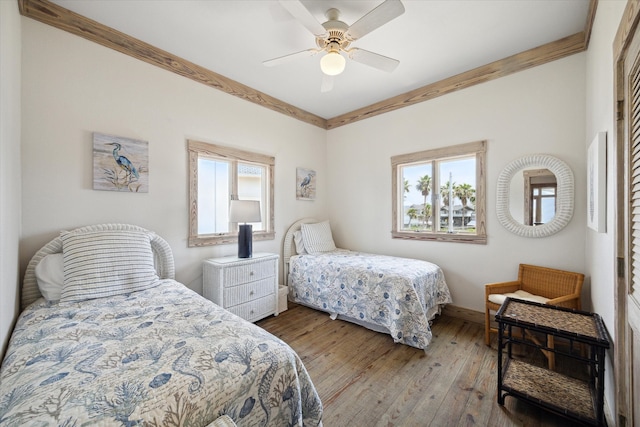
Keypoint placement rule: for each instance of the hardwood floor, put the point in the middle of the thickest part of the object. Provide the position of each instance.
(365, 379)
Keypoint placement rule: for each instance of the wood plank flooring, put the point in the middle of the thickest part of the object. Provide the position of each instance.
(365, 379)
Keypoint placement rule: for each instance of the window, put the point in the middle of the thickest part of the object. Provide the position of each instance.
(218, 174)
(439, 194)
(540, 188)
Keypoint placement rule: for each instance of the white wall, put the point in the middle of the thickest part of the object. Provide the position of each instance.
(600, 247)
(541, 110)
(73, 87)
(10, 195)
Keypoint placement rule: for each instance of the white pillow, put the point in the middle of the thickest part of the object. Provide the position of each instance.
(317, 237)
(50, 276)
(106, 263)
(299, 241)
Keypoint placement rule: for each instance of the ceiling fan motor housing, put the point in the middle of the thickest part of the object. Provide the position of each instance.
(335, 39)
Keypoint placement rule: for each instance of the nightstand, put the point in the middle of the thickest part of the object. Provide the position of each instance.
(247, 287)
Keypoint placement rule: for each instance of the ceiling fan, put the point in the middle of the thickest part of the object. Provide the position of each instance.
(334, 37)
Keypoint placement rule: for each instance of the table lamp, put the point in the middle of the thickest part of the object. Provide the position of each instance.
(244, 211)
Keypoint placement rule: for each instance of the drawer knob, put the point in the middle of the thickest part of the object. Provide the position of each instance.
(251, 293)
(251, 273)
(251, 311)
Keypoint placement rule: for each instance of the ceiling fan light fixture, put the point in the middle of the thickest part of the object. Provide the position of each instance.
(332, 63)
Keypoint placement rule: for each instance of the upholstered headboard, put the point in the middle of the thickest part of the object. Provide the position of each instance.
(162, 254)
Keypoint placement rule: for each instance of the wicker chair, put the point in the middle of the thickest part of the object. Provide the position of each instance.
(561, 287)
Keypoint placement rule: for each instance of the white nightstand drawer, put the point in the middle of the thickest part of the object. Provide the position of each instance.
(256, 309)
(247, 287)
(248, 292)
(249, 272)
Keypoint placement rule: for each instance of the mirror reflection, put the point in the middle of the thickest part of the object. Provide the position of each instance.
(545, 198)
(533, 196)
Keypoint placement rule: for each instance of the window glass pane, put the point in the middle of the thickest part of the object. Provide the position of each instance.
(548, 209)
(213, 196)
(252, 186)
(416, 185)
(457, 184)
(423, 184)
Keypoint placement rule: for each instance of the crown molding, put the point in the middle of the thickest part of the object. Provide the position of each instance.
(51, 14)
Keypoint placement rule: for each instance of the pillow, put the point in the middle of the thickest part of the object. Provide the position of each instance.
(524, 295)
(317, 237)
(299, 241)
(50, 277)
(106, 263)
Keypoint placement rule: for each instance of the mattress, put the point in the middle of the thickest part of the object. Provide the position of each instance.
(397, 294)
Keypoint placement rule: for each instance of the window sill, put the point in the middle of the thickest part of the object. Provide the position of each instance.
(440, 237)
(224, 239)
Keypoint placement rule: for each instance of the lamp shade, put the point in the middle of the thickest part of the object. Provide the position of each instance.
(332, 63)
(244, 211)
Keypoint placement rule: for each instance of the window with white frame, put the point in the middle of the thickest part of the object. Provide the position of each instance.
(439, 194)
(218, 174)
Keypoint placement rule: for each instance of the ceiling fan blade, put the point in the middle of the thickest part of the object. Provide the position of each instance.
(374, 60)
(388, 10)
(286, 58)
(302, 14)
(327, 83)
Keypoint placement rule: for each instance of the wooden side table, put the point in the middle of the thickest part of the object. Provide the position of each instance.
(577, 399)
(247, 287)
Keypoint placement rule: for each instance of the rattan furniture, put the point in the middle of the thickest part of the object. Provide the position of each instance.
(561, 287)
(580, 398)
(247, 287)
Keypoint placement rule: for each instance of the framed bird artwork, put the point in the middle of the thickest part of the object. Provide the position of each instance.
(120, 164)
(305, 184)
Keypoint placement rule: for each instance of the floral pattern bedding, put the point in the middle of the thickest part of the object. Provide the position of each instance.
(391, 292)
(163, 356)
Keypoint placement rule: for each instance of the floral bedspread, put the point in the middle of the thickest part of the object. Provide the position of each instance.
(395, 293)
(164, 356)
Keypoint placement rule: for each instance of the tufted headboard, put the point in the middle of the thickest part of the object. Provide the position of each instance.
(162, 255)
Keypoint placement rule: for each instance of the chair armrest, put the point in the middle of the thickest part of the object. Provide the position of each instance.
(501, 288)
(570, 301)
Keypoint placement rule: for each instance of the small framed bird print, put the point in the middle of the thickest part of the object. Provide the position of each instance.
(305, 184)
(120, 164)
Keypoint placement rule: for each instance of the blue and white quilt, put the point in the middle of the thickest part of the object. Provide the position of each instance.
(160, 357)
(397, 294)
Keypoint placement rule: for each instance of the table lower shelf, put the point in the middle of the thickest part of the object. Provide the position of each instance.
(562, 394)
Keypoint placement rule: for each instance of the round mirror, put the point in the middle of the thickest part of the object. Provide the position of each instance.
(533, 165)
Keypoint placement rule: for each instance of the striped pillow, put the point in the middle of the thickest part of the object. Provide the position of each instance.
(100, 264)
(317, 237)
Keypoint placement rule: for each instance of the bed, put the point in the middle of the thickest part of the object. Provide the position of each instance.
(398, 296)
(125, 344)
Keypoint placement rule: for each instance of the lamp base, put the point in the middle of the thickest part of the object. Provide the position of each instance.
(245, 241)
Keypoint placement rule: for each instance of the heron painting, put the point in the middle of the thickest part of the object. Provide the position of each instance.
(120, 164)
(305, 184)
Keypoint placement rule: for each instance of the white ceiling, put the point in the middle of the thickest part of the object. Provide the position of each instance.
(433, 40)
